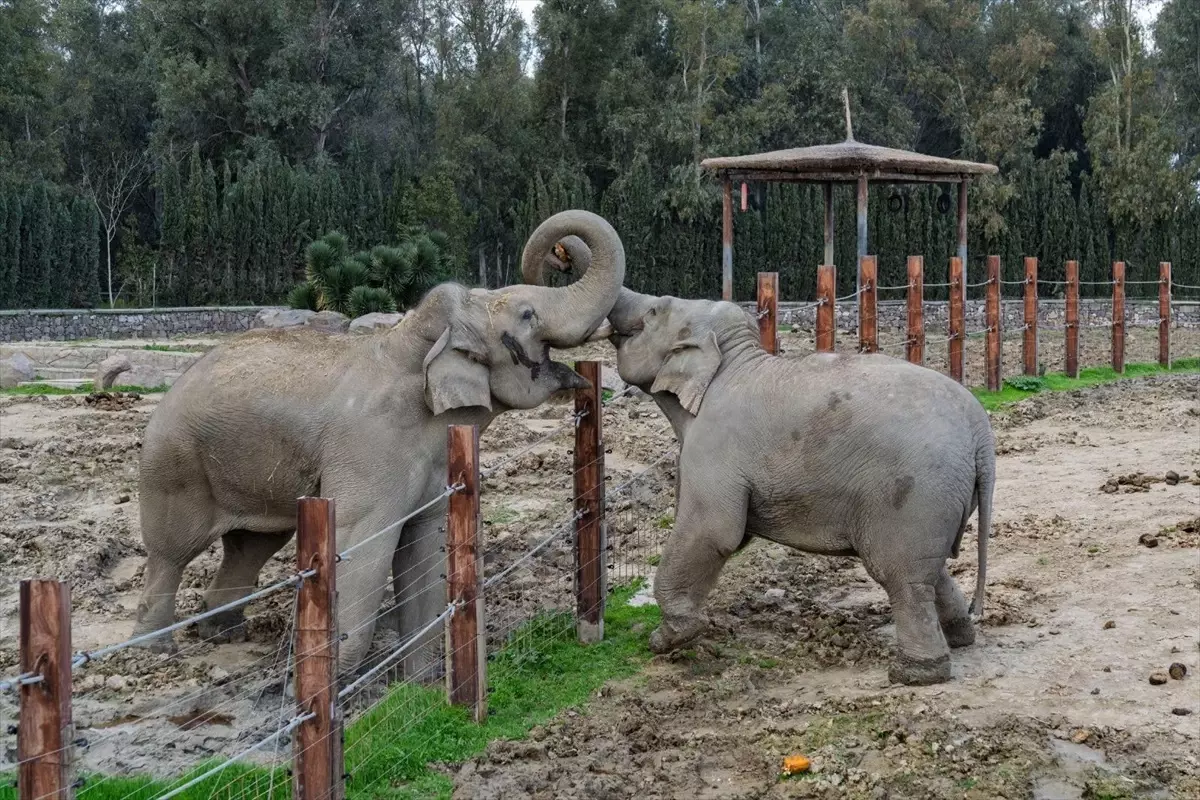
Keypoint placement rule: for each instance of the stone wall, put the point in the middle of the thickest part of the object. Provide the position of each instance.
(103, 323)
(1051, 314)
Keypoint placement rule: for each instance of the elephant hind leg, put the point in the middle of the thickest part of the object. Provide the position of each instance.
(953, 614)
(244, 555)
(922, 655)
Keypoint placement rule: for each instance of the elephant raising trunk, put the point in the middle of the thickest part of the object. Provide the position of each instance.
(270, 416)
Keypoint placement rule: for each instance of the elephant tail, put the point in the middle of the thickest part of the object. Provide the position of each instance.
(985, 483)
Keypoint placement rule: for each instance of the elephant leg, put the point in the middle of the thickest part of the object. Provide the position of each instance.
(922, 656)
(245, 554)
(710, 526)
(420, 590)
(363, 579)
(952, 611)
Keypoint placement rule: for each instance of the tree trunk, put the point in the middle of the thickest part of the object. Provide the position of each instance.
(482, 269)
(108, 239)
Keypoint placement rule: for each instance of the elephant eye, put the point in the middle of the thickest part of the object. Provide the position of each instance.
(527, 314)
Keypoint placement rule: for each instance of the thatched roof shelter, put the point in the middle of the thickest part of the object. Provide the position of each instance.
(843, 162)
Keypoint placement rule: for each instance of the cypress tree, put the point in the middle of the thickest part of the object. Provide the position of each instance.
(172, 234)
(7, 256)
(36, 249)
(58, 284)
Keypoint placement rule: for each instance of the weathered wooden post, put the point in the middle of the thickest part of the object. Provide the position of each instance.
(1071, 319)
(1164, 314)
(726, 240)
(992, 335)
(955, 346)
(316, 746)
(768, 311)
(1029, 342)
(591, 573)
(827, 300)
(914, 346)
(868, 315)
(1118, 316)
(466, 647)
(45, 731)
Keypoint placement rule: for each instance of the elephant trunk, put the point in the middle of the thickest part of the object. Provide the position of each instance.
(573, 313)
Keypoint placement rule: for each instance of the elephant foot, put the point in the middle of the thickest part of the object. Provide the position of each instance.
(164, 644)
(223, 628)
(959, 632)
(671, 636)
(919, 671)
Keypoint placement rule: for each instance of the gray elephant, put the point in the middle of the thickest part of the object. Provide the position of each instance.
(271, 416)
(849, 455)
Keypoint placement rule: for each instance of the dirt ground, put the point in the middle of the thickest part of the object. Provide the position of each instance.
(1050, 702)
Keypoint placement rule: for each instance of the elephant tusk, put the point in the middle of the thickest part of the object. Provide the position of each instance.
(603, 332)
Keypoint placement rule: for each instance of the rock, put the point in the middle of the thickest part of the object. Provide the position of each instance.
(218, 674)
(145, 377)
(115, 682)
(1096, 690)
(108, 370)
(1172, 477)
(282, 317)
(1158, 678)
(375, 321)
(1181, 712)
(121, 498)
(15, 369)
(328, 322)
(1080, 736)
(1177, 671)
(1109, 625)
(1148, 539)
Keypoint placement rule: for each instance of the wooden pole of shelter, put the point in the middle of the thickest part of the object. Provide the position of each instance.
(826, 298)
(316, 746)
(868, 315)
(828, 223)
(957, 334)
(1071, 320)
(591, 572)
(1029, 341)
(963, 183)
(45, 729)
(1118, 316)
(1164, 313)
(993, 324)
(726, 240)
(768, 311)
(466, 648)
(861, 220)
(914, 347)
(745, 197)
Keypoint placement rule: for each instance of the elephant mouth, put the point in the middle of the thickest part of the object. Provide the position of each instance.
(563, 375)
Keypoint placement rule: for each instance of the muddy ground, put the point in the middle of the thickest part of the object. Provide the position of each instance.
(1051, 701)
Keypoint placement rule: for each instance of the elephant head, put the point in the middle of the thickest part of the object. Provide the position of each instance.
(493, 346)
(664, 344)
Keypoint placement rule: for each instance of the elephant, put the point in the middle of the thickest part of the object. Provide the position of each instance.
(857, 455)
(273, 415)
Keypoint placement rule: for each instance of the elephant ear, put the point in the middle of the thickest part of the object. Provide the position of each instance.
(688, 370)
(454, 375)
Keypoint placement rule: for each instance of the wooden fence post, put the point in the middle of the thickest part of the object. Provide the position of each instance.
(914, 347)
(591, 573)
(955, 347)
(768, 311)
(317, 745)
(868, 315)
(1164, 314)
(1071, 319)
(1118, 316)
(45, 730)
(827, 299)
(466, 647)
(992, 335)
(1029, 344)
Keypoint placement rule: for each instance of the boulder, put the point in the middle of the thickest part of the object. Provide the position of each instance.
(108, 370)
(145, 376)
(282, 317)
(15, 369)
(375, 321)
(328, 322)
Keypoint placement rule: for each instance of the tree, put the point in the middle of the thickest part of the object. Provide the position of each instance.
(1177, 36)
(111, 188)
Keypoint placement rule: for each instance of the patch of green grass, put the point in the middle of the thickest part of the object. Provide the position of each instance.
(606, 395)
(1018, 388)
(654, 560)
(86, 388)
(388, 749)
(501, 516)
(176, 348)
(665, 521)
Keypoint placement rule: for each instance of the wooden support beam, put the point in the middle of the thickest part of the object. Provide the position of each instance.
(826, 318)
(726, 240)
(1071, 321)
(45, 731)
(466, 645)
(1029, 341)
(591, 569)
(768, 311)
(992, 337)
(868, 315)
(1118, 316)
(914, 348)
(316, 745)
(860, 197)
(956, 332)
(1164, 314)
(828, 194)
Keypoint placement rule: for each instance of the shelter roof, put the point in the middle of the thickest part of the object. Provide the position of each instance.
(845, 161)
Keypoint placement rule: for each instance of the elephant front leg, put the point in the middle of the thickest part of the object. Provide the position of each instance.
(418, 575)
(710, 525)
